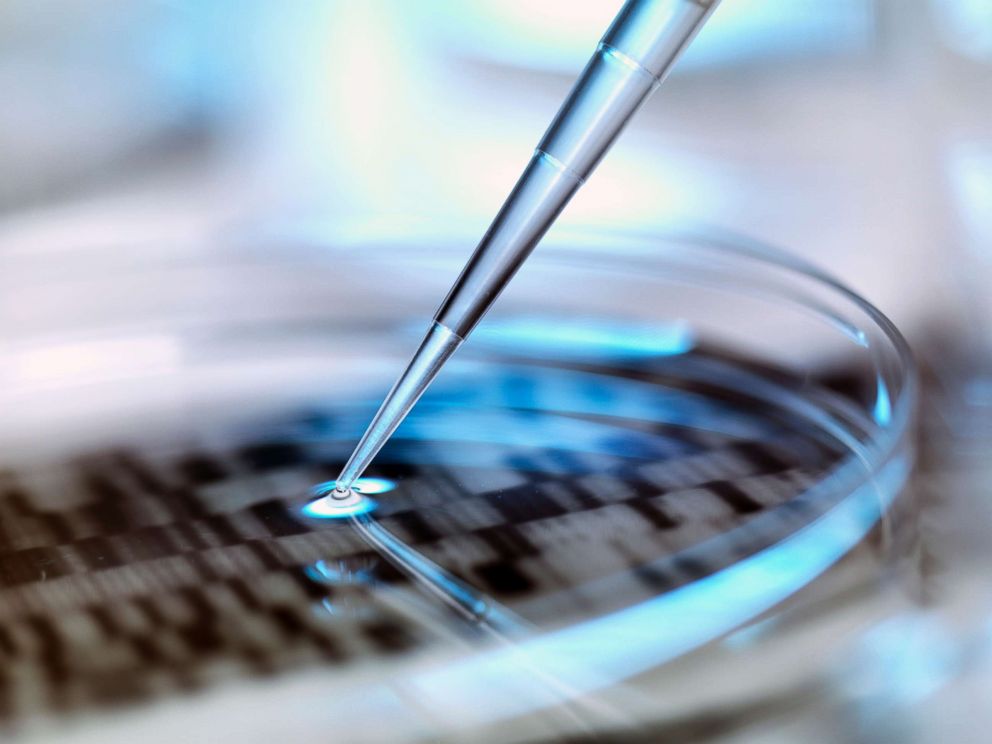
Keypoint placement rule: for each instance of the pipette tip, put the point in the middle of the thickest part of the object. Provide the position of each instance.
(439, 343)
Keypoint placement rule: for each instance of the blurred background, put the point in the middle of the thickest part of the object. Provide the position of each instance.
(856, 133)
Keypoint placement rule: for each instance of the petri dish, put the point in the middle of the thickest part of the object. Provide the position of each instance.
(657, 458)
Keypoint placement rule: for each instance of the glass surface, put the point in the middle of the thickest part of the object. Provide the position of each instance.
(654, 457)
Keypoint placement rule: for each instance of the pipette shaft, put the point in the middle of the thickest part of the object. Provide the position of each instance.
(631, 60)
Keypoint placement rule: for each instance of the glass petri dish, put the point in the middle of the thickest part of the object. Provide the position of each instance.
(656, 457)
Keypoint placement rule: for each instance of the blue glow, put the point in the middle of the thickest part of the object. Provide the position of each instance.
(324, 573)
(373, 485)
(621, 57)
(365, 486)
(882, 412)
(327, 508)
(586, 338)
(324, 507)
(524, 429)
(472, 408)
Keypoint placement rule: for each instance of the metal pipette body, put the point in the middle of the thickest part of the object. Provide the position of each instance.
(631, 60)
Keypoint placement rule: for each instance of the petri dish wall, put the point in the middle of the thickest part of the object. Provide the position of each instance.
(656, 463)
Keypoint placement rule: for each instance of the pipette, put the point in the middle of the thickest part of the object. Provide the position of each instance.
(635, 54)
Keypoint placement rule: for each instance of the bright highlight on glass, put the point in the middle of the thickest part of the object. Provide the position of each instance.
(589, 339)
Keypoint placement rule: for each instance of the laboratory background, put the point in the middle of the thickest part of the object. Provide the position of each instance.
(173, 172)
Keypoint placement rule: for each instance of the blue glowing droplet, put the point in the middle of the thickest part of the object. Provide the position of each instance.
(327, 508)
(324, 573)
(585, 338)
(372, 485)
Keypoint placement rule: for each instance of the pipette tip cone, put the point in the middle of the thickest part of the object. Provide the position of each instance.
(438, 345)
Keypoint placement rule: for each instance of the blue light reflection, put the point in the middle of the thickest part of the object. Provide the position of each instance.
(324, 507)
(586, 338)
(882, 412)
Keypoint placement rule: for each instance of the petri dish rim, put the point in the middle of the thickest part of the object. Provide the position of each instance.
(886, 440)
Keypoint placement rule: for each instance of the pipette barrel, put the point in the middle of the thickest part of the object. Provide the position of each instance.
(633, 57)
